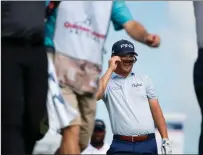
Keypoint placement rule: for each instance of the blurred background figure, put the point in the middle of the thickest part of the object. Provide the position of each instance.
(24, 74)
(198, 67)
(97, 144)
(60, 113)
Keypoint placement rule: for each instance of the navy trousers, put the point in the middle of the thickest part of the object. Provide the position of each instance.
(142, 147)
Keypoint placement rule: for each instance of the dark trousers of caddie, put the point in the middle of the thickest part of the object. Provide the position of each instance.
(133, 145)
(198, 67)
(24, 94)
(198, 84)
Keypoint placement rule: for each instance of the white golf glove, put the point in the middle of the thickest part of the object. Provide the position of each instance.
(166, 146)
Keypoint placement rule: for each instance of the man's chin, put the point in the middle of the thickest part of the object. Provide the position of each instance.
(98, 143)
(127, 69)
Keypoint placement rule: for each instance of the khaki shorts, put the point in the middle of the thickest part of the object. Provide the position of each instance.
(85, 104)
(86, 107)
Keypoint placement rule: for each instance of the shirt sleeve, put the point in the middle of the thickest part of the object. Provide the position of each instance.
(151, 94)
(104, 98)
(49, 29)
(86, 151)
(120, 14)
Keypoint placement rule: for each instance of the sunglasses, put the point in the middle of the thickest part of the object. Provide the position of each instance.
(128, 59)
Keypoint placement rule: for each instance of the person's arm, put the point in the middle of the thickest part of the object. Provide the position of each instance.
(103, 83)
(156, 109)
(122, 18)
(161, 125)
(105, 78)
(158, 117)
(136, 30)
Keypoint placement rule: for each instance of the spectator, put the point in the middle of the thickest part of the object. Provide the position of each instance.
(198, 67)
(97, 144)
(24, 75)
(60, 113)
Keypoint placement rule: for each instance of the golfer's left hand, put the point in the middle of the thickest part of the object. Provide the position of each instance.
(152, 40)
(166, 146)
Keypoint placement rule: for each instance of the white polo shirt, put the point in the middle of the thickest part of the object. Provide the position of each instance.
(127, 103)
(92, 150)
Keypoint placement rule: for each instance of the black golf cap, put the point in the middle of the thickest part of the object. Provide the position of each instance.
(123, 47)
(99, 125)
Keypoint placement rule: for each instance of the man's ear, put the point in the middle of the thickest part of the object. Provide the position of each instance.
(135, 59)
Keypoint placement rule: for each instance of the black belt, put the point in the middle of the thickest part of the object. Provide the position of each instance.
(134, 138)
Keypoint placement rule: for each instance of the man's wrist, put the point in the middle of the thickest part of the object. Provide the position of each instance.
(110, 70)
(146, 34)
(164, 135)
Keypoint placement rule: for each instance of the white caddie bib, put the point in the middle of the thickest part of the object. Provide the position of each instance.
(81, 29)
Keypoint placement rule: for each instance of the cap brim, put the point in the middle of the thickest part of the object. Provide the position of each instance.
(99, 128)
(126, 53)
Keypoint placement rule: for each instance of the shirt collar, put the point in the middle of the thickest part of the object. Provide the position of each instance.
(105, 146)
(114, 75)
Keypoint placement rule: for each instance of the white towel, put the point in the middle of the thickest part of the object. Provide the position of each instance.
(60, 113)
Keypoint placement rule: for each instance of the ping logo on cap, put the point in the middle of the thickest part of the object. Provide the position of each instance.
(99, 123)
(126, 45)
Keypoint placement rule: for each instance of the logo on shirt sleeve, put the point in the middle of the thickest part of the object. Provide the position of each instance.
(115, 87)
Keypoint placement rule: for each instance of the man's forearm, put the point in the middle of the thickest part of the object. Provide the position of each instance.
(136, 31)
(159, 120)
(161, 125)
(103, 83)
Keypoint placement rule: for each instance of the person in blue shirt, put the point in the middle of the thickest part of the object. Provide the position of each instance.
(122, 19)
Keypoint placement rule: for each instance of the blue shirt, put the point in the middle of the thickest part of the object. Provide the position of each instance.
(119, 16)
(49, 28)
(127, 103)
